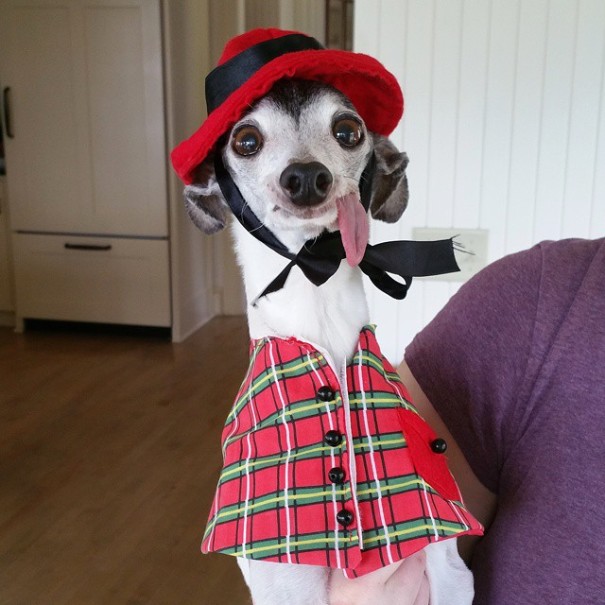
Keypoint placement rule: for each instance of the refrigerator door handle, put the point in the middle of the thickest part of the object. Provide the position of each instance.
(94, 247)
(7, 112)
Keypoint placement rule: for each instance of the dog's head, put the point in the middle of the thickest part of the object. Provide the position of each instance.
(297, 157)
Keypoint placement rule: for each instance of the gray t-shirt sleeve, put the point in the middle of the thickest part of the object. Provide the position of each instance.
(471, 359)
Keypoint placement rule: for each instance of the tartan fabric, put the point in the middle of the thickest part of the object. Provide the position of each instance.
(275, 500)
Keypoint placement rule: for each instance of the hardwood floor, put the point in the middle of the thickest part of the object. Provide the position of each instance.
(109, 455)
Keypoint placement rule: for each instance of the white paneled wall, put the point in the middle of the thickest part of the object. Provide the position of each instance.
(307, 16)
(504, 125)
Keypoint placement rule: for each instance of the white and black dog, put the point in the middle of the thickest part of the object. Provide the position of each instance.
(297, 157)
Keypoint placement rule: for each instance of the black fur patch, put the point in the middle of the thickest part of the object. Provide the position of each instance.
(291, 95)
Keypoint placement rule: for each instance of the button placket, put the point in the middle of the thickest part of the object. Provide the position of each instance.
(336, 475)
(348, 516)
(333, 437)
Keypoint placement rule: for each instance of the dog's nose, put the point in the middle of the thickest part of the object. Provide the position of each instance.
(306, 184)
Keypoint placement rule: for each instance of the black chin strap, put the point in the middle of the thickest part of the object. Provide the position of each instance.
(320, 258)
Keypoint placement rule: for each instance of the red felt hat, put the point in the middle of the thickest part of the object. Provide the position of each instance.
(252, 62)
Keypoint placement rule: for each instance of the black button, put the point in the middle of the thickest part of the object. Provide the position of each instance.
(325, 393)
(333, 438)
(439, 445)
(344, 517)
(336, 475)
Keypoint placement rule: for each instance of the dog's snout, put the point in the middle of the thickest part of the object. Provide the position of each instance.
(306, 184)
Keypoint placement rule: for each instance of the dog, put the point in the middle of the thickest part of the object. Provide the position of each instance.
(294, 173)
(299, 158)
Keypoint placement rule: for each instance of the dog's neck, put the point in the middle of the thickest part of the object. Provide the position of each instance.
(330, 315)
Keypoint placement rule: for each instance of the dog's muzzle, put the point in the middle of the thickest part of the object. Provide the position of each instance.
(306, 184)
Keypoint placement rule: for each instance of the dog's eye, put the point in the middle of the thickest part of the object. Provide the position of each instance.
(247, 141)
(348, 132)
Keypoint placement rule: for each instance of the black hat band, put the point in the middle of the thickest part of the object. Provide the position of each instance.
(228, 77)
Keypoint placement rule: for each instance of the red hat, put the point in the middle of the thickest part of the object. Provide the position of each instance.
(252, 62)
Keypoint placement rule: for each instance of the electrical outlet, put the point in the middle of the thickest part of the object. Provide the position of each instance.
(470, 250)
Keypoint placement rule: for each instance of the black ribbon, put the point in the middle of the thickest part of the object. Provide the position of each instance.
(228, 77)
(320, 258)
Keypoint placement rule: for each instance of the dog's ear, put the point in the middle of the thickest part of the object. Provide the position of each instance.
(204, 201)
(390, 185)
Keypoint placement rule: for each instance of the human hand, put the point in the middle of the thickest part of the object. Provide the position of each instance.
(403, 583)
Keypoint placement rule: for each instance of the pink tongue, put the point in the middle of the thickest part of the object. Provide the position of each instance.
(354, 227)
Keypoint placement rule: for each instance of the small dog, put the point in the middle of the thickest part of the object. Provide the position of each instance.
(299, 179)
(297, 157)
(333, 489)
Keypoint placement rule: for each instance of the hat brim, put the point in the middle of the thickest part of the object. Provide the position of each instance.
(372, 89)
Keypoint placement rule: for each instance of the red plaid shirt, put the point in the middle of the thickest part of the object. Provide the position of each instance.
(330, 471)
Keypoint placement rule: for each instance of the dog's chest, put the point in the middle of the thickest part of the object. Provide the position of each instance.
(330, 316)
(332, 320)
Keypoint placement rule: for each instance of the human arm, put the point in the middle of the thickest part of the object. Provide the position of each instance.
(480, 501)
(467, 375)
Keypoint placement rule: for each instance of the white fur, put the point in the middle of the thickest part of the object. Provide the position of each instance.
(280, 583)
(329, 316)
(450, 579)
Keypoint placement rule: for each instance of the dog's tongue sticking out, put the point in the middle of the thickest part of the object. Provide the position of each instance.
(354, 227)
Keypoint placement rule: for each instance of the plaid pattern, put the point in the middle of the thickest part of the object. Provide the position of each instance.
(274, 499)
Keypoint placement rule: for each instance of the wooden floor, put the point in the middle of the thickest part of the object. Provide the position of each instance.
(109, 455)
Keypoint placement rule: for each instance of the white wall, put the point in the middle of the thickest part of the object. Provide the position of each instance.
(308, 16)
(302, 15)
(504, 125)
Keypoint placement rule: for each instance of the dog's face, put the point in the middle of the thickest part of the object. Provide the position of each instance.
(295, 156)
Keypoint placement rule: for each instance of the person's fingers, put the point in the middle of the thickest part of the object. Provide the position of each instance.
(404, 583)
(409, 585)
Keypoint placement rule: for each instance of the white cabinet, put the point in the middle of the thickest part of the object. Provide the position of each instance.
(83, 278)
(86, 164)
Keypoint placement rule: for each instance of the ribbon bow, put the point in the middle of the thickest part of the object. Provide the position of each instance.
(320, 258)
